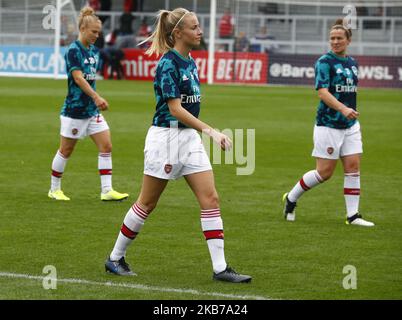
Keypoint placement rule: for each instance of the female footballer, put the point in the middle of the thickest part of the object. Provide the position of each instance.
(80, 115)
(173, 147)
(337, 131)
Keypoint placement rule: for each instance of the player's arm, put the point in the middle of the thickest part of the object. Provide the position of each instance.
(185, 117)
(79, 79)
(333, 103)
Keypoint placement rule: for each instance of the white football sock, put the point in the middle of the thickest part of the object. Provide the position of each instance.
(308, 181)
(132, 225)
(351, 192)
(58, 166)
(212, 226)
(105, 171)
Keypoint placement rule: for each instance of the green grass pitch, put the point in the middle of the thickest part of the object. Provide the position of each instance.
(301, 260)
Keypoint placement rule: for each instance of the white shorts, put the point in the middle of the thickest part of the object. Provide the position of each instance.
(332, 143)
(171, 153)
(80, 128)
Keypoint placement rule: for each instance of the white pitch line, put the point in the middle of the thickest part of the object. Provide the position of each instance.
(137, 287)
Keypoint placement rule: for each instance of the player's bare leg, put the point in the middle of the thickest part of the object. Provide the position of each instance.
(151, 191)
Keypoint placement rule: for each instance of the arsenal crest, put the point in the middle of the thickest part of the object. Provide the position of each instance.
(168, 168)
(330, 150)
(74, 131)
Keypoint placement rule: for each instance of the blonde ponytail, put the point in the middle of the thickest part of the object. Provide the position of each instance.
(162, 38)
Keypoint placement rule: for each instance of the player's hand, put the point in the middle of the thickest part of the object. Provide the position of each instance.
(221, 139)
(101, 103)
(349, 113)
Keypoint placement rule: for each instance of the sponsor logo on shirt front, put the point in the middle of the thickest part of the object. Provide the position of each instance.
(343, 88)
(89, 77)
(349, 87)
(196, 98)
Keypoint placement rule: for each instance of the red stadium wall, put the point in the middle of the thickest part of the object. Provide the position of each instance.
(229, 67)
(259, 68)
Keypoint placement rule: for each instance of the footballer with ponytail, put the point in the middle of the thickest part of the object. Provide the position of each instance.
(81, 113)
(175, 126)
(337, 132)
(166, 22)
